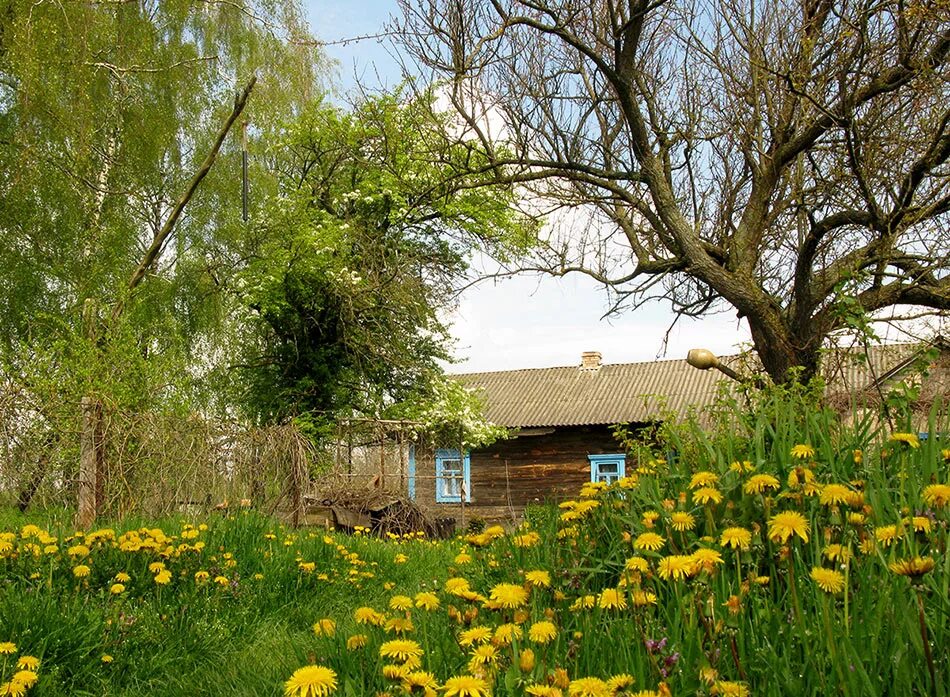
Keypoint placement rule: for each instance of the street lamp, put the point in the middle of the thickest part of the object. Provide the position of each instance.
(704, 359)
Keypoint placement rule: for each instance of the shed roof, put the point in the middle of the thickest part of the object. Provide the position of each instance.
(638, 392)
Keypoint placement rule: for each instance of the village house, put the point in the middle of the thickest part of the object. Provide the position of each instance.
(561, 419)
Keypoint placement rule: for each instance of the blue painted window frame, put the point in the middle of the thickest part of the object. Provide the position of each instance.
(412, 472)
(441, 455)
(597, 461)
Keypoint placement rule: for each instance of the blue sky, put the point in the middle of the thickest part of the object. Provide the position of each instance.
(526, 322)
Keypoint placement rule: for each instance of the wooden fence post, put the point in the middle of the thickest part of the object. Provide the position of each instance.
(88, 464)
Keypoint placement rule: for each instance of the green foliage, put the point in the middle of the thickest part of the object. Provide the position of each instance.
(357, 260)
(106, 110)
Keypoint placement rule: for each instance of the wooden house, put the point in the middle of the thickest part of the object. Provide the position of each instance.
(561, 419)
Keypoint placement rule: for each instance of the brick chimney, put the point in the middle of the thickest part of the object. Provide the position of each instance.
(590, 360)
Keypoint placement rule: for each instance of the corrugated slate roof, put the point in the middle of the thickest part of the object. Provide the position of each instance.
(632, 392)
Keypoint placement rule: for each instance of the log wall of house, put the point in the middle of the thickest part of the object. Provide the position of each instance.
(511, 474)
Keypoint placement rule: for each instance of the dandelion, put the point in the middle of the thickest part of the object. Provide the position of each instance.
(420, 681)
(729, 689)
(542, 632)
(355, 642)
(396, 672)
(650, 541)
(310, 681)
(612, 599)
(585, 602)
(760, 483)
(706, 559)
(834, 495)
(539, 690)
(399, 625)
(463, 558)
(325, 627)
(27, 678)
(642, 598)
(803, 451)
(742, 467)
(734, 604)
(620, 682)
(483, 656)
(400, 650)
(117, 589)
(81, 571)
(707, 495)
(400, 603)
(538, 578)
(837, 553)
(122, 577)
(887, 534)
(367, 615)
(682, 521)
(509, 595)
(156, 566)
(163, 577)
(829, 580)
(507, 633)
(529, 539)
(465, 686)
(737, 538)
(475, 635)
(526, 661)
(588, 687)
(703, 479)
(787, 523)
(28, 663)
(676, 567)
(638, 564)
(456, 586)
(909, 439)
(915, 567)
(427, 601)
(937, 495)
(106, 658)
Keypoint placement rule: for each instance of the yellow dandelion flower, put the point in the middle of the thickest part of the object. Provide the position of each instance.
(676, 567)
(310, 681)
(538, 578)
(420, 682)
(638, 564)
(837, 553)
(829, 580)
(909, 439)
(28, 663)
(542, 632)
(784, 525)
(357, 641)
(117, 589)
(122, 577)
(888, 534)
(396, 672)
(399, 625)
(585, 602)
(620, 682)
(729, 689)
(463, 558)
(834, 495)
(915, 567)
(324, 627)
(706, 559)
(649, 540)
(588, 687)
(25, 677)
(743, 467)
(612, 599)
(737, 538)
(81, 571)
(509, 595)
(475, 635)
(920, 523)
(642, 598)
(106, 658)
(163, 577)
(707, 495)
(367, 615)
(507, 633)
(937, 495)
(541, 690)
(465, 686)
(400, 650)
(803, 451)
(703, 479)
(455, 586)
(427, 601)
(400, 602)
(529, 539)
(483, 656)
(682, 521)
(526, 661)
(760, 483)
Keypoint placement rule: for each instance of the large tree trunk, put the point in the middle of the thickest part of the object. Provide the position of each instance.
(786, 357)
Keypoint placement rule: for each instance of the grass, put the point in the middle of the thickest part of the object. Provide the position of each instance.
(647, 592)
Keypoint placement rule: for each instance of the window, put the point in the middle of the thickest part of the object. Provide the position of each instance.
(452, 476)
(607, 468)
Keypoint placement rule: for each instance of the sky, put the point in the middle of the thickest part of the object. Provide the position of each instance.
(524, 322)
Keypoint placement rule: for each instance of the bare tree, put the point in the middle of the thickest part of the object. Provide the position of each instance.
(786, 158)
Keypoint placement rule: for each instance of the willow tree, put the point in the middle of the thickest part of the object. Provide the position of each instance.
(784, 159)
